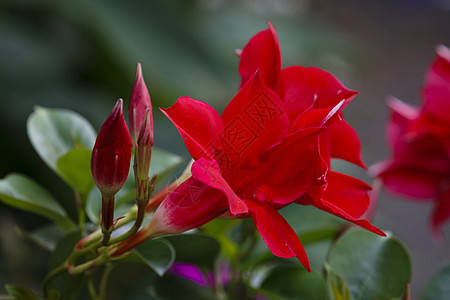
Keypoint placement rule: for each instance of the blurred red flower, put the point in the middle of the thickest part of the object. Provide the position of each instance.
(420, 141)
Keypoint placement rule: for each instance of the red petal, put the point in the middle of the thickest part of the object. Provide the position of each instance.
(293, 167)
(401, 116)
(347, 193)
(437, 86)
(191, 205)
(315, 118)
(337, 211)
(345, 144)
(208, 172)
(301, 88)
(253, 121)
(262, 53)
(408, 180)
(199, 125)
(277, 233)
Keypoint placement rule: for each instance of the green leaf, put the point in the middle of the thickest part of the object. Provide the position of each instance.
(54, 132)
(163, 163)
(64, 248)
(373, 266)
(65, 286)
(294, 282)
(75, 168)
(337, 287)
(199, 249)
(438, 286)
(312, 224)
(158, 254)
(318, 235)
(20, 292)
(21, 192)
(46, 236)
(174, 287)
(220, 229)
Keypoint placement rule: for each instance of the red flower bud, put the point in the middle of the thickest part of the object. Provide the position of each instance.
(111, 155)
(139, 104)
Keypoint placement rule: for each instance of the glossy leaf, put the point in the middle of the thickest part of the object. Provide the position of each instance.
(174, 287)
(21, 192)
(64, 248)
(296, 283)
(54, 132)
(373, 266)
(337, 287)
(45, 237)
(220, 229)
(65, 286)
(74, 167)
(157, 254)
(20, 292)
(199, 249)
(163, 163)
(438, 286)
(311, 224)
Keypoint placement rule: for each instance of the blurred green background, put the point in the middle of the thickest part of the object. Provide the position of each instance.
(81, 55)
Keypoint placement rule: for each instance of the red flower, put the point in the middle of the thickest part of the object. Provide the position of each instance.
(420, 142)
(270, 147)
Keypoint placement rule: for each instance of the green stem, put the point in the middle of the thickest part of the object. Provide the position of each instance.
(96, 236)
(137, 224)
(104, 280)
(80, 203)
(91, 243)
(89, 265)
(55, 272)
(106, 236)
(107, 217)
(91, 287)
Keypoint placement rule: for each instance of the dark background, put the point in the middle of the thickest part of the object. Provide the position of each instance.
(81, 55)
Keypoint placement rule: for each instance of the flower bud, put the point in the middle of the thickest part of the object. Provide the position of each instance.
(143, 150)
(110, 161)
(139, 104)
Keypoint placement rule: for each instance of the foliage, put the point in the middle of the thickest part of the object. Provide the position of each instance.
(353, 257)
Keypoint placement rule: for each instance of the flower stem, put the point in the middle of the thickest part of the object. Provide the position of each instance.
(55, 272)
(133, 229)
(107, 219)
(89, 265)
(103, 281)
(91, 287)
